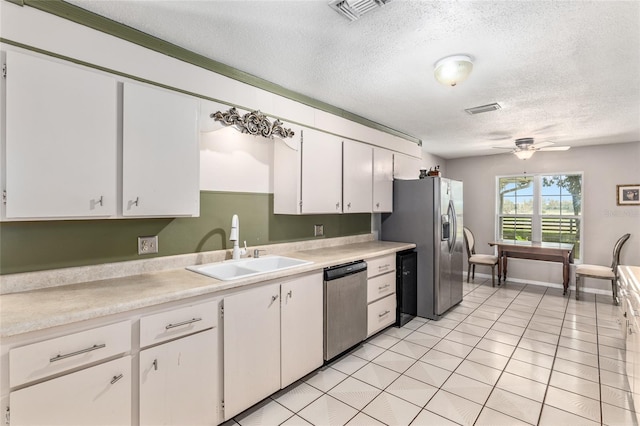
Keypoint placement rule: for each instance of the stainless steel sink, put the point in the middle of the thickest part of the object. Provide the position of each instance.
(231, 270)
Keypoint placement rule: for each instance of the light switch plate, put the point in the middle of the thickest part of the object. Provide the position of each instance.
(148, 245)
(318, 230)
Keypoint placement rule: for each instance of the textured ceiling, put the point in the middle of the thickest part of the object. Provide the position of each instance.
(564, 71)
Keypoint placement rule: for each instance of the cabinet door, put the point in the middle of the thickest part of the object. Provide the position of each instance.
(251, 347)
(61, 141)
(160, 164)
(321, 173)
(178, 382)
(301, 327)
(382, 180)
(99, 395)
(358, 177)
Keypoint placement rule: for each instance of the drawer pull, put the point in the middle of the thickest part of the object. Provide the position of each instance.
(116, 378)
(384, 287)
(155, 364)
(381, 267)
(83, 351)
(187, 322)
(383, 314)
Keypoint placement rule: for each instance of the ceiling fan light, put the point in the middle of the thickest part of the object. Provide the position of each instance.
(524, 154)
(453, 69)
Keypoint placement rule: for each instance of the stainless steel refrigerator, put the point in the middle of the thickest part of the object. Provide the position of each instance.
(428, 212)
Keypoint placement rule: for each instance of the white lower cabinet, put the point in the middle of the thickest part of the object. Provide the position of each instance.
(99, 395)
(265, 328)
(301, 327)
(381, 293)
(179, 370)
(178, 382)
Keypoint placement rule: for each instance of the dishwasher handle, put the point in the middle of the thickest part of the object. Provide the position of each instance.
(339, 271)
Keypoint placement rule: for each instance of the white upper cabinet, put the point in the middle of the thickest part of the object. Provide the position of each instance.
(382, 180)
(357, 172)
(321, 173)
(61, 141)
(160, 165)
(308, 174)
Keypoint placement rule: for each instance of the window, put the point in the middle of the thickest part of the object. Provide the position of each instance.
(544, 208)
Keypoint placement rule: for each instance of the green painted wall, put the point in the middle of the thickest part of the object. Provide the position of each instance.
(33, 246)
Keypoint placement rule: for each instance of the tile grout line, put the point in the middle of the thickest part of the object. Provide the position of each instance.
(511, 356)
(555, 356)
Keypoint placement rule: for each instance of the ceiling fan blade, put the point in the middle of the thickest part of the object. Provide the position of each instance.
(555, 148)
(541, 145)
(502, 147)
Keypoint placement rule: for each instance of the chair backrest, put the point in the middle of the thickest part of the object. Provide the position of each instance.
(469, 241)
(616, 252)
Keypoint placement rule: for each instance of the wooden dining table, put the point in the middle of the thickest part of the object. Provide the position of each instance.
(551, 252)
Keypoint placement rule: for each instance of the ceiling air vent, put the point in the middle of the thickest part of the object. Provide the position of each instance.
(354, 9)
(483, 108)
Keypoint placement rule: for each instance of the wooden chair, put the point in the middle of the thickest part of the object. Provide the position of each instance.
(478, 259)
(603, 272)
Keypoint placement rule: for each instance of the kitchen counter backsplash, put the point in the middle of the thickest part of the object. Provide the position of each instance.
(13, 283)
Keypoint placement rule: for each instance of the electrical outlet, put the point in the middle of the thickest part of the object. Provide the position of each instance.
(318, 230)
(148, 245)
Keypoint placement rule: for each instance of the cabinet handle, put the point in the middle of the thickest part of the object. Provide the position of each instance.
(349, 205)
(135, 203)
(380, 268)
(80, 352)
(384, 286)
(100, 201)
(383, 314)
(274, 298)
(155, 364)
(191, 321)
(377, 205)
(116, 378)
(337, 205)
(290, 294)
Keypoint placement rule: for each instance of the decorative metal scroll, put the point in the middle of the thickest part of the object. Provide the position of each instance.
(254, 123)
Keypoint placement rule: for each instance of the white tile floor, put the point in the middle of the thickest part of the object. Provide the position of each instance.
(510, 355)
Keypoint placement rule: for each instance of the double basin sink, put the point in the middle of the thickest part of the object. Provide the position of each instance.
(231, 270)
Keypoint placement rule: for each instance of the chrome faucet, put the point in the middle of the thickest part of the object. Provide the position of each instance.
(235, 236)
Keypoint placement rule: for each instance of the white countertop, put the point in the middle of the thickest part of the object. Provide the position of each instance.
(39, 309)
(630, 275)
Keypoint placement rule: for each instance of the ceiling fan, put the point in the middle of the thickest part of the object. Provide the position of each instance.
(525, 147)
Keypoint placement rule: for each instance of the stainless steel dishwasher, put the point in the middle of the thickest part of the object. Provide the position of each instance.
(345, 307)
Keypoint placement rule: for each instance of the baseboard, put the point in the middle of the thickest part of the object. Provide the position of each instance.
(546, 284)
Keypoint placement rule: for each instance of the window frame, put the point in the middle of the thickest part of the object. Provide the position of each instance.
(536, 215)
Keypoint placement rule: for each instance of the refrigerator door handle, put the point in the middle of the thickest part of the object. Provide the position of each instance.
(454, 227)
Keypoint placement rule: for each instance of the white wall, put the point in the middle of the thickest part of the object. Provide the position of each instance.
(236, 162)
(406, 167)
(604, 167)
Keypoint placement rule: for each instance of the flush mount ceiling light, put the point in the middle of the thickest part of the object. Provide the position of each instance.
(453, 69)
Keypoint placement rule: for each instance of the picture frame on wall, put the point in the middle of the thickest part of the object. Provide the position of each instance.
(628, 195)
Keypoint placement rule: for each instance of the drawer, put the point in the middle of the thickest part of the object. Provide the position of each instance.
(381, 314)
(381, 265)
(178, 322)
(42, 359)
(380, 286)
